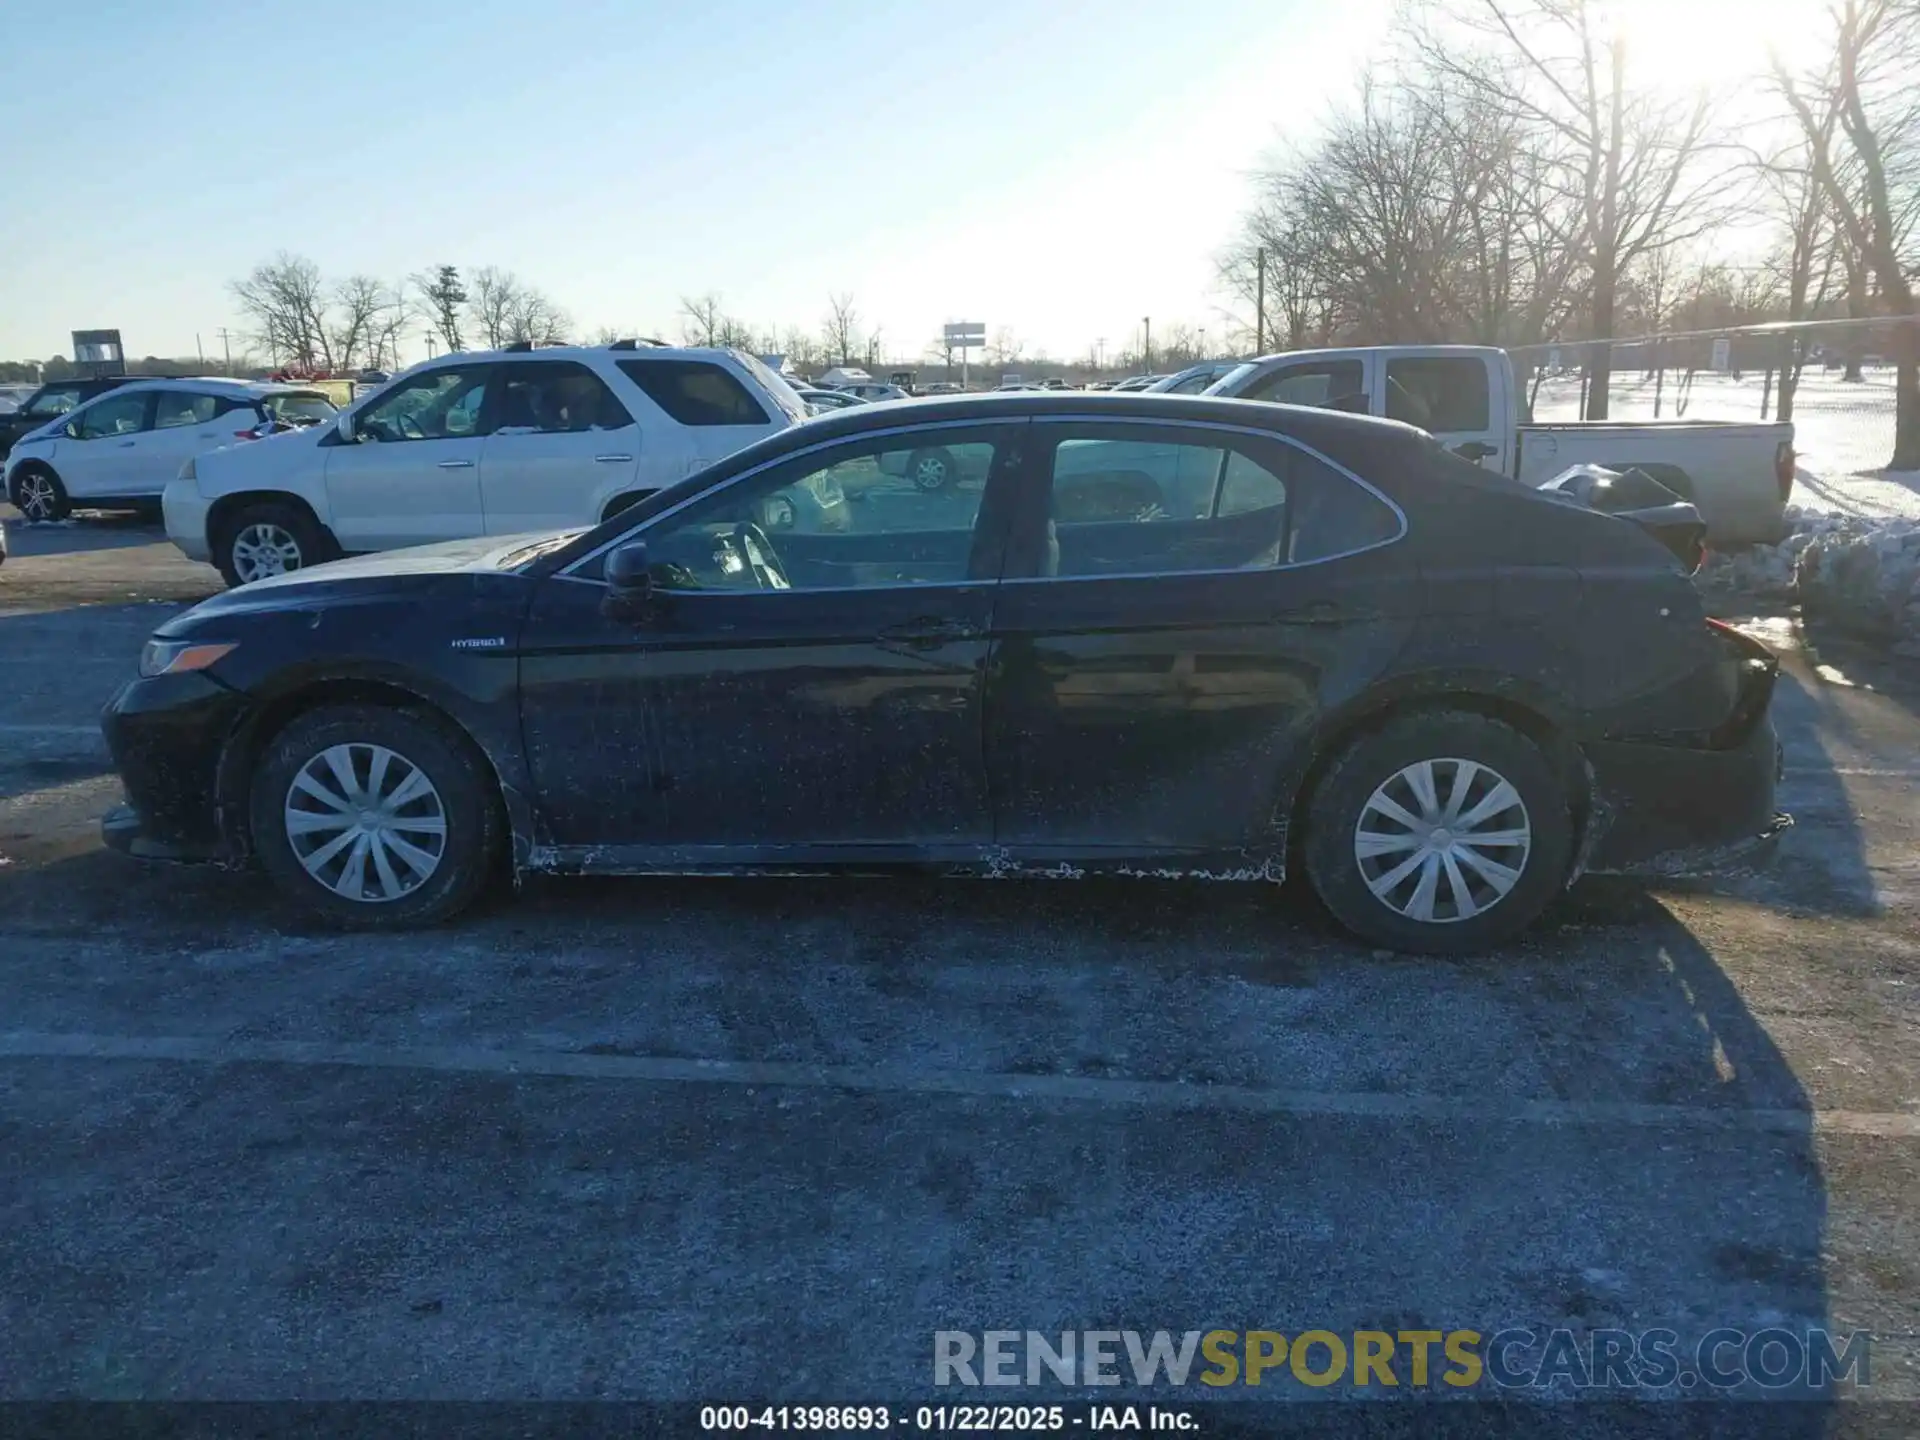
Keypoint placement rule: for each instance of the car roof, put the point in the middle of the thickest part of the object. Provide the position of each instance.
(215, 385)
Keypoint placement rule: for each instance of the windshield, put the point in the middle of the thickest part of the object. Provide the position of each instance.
(300, 407)
(1226, 383)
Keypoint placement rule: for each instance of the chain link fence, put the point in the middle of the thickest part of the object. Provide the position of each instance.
(1838, 384)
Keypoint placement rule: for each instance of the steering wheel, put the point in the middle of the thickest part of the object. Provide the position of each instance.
(751, 542)
(409, 426)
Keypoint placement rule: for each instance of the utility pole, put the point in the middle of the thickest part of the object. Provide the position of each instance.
(198, 351)
(1146, 344)
(1260, 301)
(226, 342)
(1100, 353)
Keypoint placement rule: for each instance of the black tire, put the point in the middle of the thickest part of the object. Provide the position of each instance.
(311, 543)
(1341, 878)
(54, 505)
(467, 800)
(932, 470)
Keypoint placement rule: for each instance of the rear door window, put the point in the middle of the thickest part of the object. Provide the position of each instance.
(175, 408)
(557, 397)
(1140, 501)
(1439, 393)
(695, 392)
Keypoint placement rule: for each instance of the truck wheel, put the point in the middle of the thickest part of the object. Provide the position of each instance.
(269, 539)
(38, 494)
(1445, 832)
(374, 817)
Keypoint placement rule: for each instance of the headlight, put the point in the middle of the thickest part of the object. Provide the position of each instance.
(177, 657)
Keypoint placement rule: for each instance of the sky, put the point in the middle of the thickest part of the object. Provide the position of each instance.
(1061, 169)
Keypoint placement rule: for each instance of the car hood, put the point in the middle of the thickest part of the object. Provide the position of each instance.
(344, 581)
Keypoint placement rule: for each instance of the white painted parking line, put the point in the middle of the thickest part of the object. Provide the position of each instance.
(1142, 1094)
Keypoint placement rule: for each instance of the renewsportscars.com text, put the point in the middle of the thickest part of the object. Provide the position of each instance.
(1510, 1359)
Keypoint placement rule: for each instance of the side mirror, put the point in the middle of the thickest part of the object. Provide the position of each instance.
(629, 579)
(343, 427)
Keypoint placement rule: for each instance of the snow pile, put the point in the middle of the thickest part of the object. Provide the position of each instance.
(1861, 574)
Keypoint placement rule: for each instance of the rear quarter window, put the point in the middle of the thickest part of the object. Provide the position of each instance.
(695, 392)
(1333, 514)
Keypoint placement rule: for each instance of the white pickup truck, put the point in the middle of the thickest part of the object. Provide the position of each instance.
(1737, 475)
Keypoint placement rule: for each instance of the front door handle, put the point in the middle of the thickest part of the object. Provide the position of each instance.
(927, 633)
(124, 445)
(612, 459)
(456, 464)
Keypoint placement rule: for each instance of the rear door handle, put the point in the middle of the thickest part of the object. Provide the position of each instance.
(456, 464)
(927, 633)
(124, 445)
(611, 459)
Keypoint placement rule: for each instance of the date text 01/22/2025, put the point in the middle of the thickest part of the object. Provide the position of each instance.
(946, 1418)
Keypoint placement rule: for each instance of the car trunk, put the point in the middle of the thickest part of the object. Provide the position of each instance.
(1635, 496)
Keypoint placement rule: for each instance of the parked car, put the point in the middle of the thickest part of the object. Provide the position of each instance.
(942, 387)
(1193, 379)
(820, 402)
(874, 390)
(12, 397)
(52, 400)
(493, 443)
(1739, 474)
(1136, 382)
(1161, 636)
(121, 449)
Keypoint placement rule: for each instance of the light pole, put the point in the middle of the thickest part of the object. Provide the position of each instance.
(1146, 344)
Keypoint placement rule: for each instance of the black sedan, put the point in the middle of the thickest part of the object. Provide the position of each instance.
(1146, 635)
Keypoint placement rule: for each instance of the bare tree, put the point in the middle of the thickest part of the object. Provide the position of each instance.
(443, 296)
(537, 318)
(1005, 348)
(841, 329)
(286, 302)
(1861, 107)
(702, 319)
(1638, 161)
(493, 303)
(363, 307)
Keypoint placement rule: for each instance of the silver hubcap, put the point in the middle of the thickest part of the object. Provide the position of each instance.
(263, 549)
(36, 497)
(930, 474)
(1443, 840)
(365, 822)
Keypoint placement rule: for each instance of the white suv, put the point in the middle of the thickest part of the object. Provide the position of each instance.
(494, 443)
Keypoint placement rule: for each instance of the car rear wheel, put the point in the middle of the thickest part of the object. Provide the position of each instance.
(931, 470)
(374, 817)
(38, 494)
(1442, 832)
(271, 539)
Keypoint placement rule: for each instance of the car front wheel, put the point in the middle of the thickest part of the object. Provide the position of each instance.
(271, 539)
(374, 817)
(1441, 832)
(38, 494)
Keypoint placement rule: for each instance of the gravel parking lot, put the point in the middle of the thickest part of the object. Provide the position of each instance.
(684, 1139)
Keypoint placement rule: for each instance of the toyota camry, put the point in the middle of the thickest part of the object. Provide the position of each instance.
(1135, 634)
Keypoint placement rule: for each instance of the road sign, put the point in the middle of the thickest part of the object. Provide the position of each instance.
(99, 352)
(964, 333)
(1722, 353)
